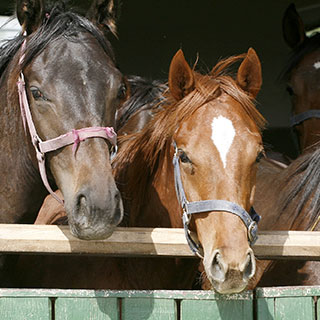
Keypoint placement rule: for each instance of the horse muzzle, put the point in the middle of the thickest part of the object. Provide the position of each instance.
(228, 276)
(94, 217)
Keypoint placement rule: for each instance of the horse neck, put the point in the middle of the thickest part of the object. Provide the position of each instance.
(157, 208)
(19, 175)
(163, 191)
(266, 193)
(267, 200)
(272, 188)
(153, 189)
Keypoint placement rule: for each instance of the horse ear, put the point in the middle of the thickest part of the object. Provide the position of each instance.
(292, 27)
(30, 14)
(104, 13)
(181, 79)
(249, 76)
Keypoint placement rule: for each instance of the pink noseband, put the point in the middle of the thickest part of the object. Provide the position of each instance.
(72, 137)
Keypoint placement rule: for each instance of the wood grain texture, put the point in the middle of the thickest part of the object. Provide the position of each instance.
(45, 239)
(216, 310)
(88, 308)
(21, 308)
(283, 303)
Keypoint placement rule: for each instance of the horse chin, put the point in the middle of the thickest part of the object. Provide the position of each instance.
(90, 221)
(90, 233)
(229, 286)
(95, 225)
(228, 281)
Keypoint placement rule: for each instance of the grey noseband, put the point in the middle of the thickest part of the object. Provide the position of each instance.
(190, 208)
(298, 118)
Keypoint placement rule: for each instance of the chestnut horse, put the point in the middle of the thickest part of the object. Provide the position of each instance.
(68, 91)
(205, 142)
(302, 74)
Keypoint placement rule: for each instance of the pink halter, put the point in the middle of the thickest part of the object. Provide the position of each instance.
(72, 137)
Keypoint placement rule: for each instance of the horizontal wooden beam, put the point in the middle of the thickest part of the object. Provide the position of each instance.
(44, 239)
(299, 245)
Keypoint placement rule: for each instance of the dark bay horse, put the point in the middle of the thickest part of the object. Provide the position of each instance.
(68, 91)
(288, 198)
(302, 74)
(204, 141)
(144, 100)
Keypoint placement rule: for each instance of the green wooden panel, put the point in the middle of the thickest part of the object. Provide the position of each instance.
(286, 308)
(294, 308)
(160, 294)
(148, 308)
(265, 308)
(301, 291)
(86, 309)
(216, 309)
(25, 308)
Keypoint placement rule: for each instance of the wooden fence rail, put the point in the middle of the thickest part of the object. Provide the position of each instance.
(44, 239)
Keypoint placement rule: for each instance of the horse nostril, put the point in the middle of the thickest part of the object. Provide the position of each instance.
(117, 196)
(249, 266)
(81, 201)
(118, 213)
(217, 268)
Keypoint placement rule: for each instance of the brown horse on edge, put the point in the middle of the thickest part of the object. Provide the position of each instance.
(290, 197)
(302, 74)
(216, 129)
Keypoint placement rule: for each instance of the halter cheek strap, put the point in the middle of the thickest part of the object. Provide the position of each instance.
(190, 208)
(72, 137)
(298, 118)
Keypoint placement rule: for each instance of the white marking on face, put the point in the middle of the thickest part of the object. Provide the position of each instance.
(222, 136)
(317, 65)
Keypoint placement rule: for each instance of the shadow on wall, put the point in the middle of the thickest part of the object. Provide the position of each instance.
(282, 140)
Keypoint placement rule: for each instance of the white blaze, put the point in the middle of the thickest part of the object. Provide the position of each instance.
(317, 65)
(222, 136)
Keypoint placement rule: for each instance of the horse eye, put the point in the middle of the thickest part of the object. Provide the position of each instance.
(183, 157)
(37, 94)
(122, 92)
(260, 156)
(290, 90)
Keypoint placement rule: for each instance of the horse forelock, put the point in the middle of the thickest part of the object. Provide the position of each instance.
(300, 186)
(309, 45)
(58, 23)
(142, 150)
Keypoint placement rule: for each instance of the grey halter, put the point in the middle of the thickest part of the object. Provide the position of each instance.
(298, 118)
(190, 208)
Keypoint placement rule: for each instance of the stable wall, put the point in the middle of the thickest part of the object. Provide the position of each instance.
(150, 32)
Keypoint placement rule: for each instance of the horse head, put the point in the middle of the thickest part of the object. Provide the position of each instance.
(217, 148)
(73, 88)
(302, 74)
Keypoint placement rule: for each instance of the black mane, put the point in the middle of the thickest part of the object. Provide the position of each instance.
(143, 94)
(309, 45)
(58, 22)
(303, 183)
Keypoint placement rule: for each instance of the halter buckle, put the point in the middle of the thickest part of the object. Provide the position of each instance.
(36, 143)
(252, 232)
(186, 217)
